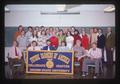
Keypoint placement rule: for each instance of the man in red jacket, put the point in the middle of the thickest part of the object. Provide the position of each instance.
(54, 40)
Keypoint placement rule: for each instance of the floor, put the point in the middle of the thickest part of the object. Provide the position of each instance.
(109, 73)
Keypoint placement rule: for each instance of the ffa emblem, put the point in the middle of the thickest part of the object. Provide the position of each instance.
(49, 64)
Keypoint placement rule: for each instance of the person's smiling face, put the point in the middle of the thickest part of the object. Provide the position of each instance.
(34, 44)
(15, 43)
(48, 43)
(94, 46)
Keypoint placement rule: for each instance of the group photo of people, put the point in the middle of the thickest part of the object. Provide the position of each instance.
(88, 31)
(88, 48)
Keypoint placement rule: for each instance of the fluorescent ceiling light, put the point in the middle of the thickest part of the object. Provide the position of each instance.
(61, 7)
(109, 9)
(61, 13)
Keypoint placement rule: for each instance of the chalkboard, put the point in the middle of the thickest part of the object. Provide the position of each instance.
(9, 33)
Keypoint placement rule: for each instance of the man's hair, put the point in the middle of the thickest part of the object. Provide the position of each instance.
(110, 28)
(77, 31)
(16, 42)
(101, 29)
(30, 27)
(41, 26)
(94, 43)
(72, 27)
(60, 30)
(35, 42)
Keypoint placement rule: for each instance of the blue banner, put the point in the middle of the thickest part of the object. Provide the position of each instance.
(50, 62)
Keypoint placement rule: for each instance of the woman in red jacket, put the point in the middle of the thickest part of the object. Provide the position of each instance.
(84, 39)
(76, 36)
(54, 40)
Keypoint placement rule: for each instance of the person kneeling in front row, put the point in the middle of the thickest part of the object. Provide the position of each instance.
(34, 46)
(49, 46)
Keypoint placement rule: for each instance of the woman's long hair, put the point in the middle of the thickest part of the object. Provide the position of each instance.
(35, 35)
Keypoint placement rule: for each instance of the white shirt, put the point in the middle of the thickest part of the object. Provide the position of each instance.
(48, 48)
(22, 40)
(97, 53)
(33, 48)
(12, 52)
(42, 40)
(63, 48)
(69, 41)
(100, 34)
(28, 34)
(33, 39)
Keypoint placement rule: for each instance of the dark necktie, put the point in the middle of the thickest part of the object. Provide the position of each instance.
(16, 52)
(33, 48)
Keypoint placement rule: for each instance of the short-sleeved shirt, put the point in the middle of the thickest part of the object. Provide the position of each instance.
(79, 51)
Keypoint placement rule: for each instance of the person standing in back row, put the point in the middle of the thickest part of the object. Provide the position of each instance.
(54, 40)
(69, 40)
(34, 37)
(29, 34)
(61, 37)
(17, 33)
(76, 36)
(22, 40)
(84, 39)
(93, 37)
(101, 42)
(109, 45)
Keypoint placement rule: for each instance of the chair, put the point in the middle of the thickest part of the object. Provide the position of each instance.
(8, 71)
(93, 65)
(76, 66)
(13, 67)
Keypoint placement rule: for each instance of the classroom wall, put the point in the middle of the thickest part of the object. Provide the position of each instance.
(85, 19)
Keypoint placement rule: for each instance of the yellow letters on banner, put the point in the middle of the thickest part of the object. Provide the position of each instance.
(64, 59)
(47, 55)
(35, 58)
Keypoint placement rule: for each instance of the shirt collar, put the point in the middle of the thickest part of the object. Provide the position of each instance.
(100, 34)
(94, 49)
